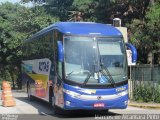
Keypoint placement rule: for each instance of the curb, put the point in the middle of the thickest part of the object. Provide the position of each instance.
(144, 105)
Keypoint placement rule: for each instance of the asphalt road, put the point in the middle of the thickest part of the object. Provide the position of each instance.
(40, 110)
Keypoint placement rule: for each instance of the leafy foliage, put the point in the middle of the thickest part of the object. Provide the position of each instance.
(16, 24)
(97, 10)
(146, 93)
(146, 35)
(59, 8)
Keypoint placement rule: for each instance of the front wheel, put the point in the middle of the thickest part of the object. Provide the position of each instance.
(57, 110)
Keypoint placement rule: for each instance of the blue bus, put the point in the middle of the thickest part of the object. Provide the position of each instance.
(77, 65)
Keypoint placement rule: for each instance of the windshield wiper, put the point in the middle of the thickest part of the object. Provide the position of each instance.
(108, 73)
(85, 71)
(86, 80)
(70, 73)
(106, 70)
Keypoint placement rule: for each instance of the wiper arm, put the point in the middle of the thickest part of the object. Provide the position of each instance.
(70, 73)
(86, 80)
(106, 70)
(108, 73)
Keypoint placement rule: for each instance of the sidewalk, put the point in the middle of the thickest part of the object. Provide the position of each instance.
(144, 105)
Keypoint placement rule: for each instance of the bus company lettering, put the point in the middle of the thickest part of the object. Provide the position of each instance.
(44, 66)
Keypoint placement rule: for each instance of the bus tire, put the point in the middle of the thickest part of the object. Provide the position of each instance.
(57, 110)
(60, 111)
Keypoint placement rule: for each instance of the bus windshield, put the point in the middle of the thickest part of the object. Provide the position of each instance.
(86, 57)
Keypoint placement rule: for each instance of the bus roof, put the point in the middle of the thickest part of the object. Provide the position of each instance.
(82, 28)
(87, 28)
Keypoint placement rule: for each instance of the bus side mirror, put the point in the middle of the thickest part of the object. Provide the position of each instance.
(60, 51)
(134, 52)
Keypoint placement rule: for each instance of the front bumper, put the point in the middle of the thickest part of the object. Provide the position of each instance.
(73, 103)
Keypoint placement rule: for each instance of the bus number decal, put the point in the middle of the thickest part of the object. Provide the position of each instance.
(44, 66)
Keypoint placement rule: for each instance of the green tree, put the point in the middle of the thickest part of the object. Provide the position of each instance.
(138, 15)
(58, 8)
(146, 34)
(16, 24)
(153, 30)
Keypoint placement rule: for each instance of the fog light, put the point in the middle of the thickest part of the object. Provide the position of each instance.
(126, 102)
(68, 103)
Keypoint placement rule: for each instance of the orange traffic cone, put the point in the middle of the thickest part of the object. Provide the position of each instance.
(3, 86)
(7, 97)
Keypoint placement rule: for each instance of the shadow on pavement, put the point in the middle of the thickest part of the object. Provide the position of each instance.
(85, 113)
(45, 109)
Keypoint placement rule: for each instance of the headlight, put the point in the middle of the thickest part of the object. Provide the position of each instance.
(71, 93)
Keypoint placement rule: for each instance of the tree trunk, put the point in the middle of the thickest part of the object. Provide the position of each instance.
(150, 58)
(13, 80)
(151, 2)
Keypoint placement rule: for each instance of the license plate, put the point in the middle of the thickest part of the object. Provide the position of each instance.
(96, 105)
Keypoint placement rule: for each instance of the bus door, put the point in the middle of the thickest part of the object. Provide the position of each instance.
(58, 80)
